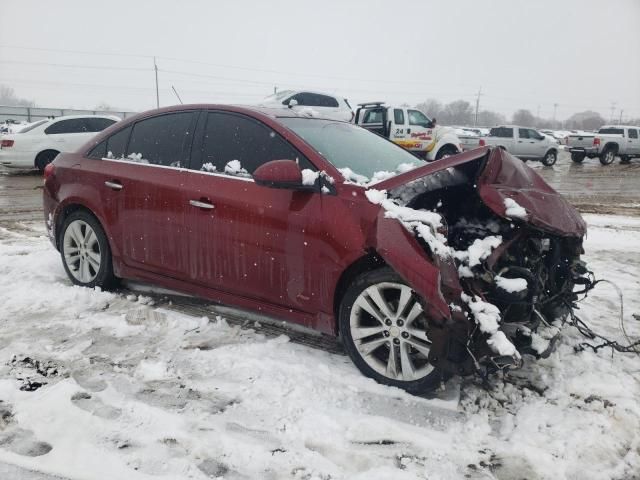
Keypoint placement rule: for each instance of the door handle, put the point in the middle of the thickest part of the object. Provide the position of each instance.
(201, 204)
(519, 141)
(408, 130)
(114, 185)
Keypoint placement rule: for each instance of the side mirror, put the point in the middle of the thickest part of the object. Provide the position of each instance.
(280, 174)
(292, 103)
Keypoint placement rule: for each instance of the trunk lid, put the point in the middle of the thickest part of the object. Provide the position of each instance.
(500, 177)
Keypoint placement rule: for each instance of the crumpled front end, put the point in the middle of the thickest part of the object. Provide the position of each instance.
(505, 248)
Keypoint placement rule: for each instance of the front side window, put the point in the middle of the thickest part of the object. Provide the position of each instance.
(237, 145)
(398, 116)
(416, 117)
(523, 133)
(98, 124)
(162, 140)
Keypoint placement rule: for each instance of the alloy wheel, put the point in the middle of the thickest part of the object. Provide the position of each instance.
(82, 251)
(388, 328)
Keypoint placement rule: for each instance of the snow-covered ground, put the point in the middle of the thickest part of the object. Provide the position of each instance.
(131, 391)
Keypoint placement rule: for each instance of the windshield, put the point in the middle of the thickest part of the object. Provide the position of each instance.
(29, 127)
(276, 97)
(352, 147)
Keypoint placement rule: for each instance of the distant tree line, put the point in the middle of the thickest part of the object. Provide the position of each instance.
(461, 112)
(8, 97)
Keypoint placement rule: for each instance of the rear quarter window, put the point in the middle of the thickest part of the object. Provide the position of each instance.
(611, 131)
(501, 132)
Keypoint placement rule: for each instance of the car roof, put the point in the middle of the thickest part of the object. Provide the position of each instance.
(251, 110)
(71, 117)
(619, 126)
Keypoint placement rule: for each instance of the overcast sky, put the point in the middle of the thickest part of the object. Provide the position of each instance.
(580, 54)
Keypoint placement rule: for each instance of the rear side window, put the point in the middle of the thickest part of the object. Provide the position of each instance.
(162, 140)
(398, 116)
(501, 132)
(72, 125)
(633, 133)
(372, 116)
(611, 131)
(243, 141)
(112, 147)
(314, 100)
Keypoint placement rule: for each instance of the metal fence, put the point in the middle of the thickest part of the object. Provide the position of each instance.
(32, 114)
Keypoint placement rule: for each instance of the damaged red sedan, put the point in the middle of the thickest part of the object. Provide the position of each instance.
(424, 270)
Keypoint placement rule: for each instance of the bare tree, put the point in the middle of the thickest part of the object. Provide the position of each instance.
(587, 120)
(8, 97)
(431, 108)
(524, 118)
(487, 118)
(458, 112)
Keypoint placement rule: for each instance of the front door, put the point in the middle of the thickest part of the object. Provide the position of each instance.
(633, 142)
(243, 238)
(420, 132)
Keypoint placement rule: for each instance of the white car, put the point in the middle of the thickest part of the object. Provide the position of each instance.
(316, 104)
(36, 145)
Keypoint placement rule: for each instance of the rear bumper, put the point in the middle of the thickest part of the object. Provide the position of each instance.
(50, 209)
(17, 159)
(588, 151)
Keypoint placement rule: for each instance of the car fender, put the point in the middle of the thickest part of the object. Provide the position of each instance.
(402, 252)
(443, 139)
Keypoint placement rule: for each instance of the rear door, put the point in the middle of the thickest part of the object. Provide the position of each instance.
(68, 135)
(143, 180)
(242, 238)
(633, 142)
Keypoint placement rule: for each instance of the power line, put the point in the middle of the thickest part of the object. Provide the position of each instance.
(66, 65)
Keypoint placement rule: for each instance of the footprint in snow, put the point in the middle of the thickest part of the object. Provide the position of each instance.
(19, 440)
(95, 406)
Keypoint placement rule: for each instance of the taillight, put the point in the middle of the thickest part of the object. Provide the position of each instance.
(49, 170)
(6, 143)
(596, 141)
(482, 143)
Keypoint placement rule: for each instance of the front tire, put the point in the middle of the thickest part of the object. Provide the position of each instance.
(608, 156)
(445, 152)
(384, 331)
(85, 251)
(550, 158)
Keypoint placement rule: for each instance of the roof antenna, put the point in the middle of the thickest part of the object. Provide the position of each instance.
(176, 92)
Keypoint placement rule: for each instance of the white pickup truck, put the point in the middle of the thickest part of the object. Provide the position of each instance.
(524, 143)
(410, 129)
(610, 142)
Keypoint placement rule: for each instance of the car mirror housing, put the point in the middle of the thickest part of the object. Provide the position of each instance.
(280, 174)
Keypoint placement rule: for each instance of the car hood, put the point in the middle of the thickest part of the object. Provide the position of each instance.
(500, 177)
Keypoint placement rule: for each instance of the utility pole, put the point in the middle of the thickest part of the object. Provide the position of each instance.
(538, 112)
(475, 119)
(620, 121)
(275, 89)
(613, 108)
(555, 108)
(155, 67)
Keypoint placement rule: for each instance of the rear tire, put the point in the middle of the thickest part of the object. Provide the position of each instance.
(625, 159)
(391, 346)
(85, 251)
(608, 155)
(550, 158)
(45, 158)
(578, 157)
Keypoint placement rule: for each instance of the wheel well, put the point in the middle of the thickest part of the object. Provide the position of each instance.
(502, 147)
(66, 211)
(552, 149)
(448, 146)
(612, 145)
(371, 261)
(35, 161)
